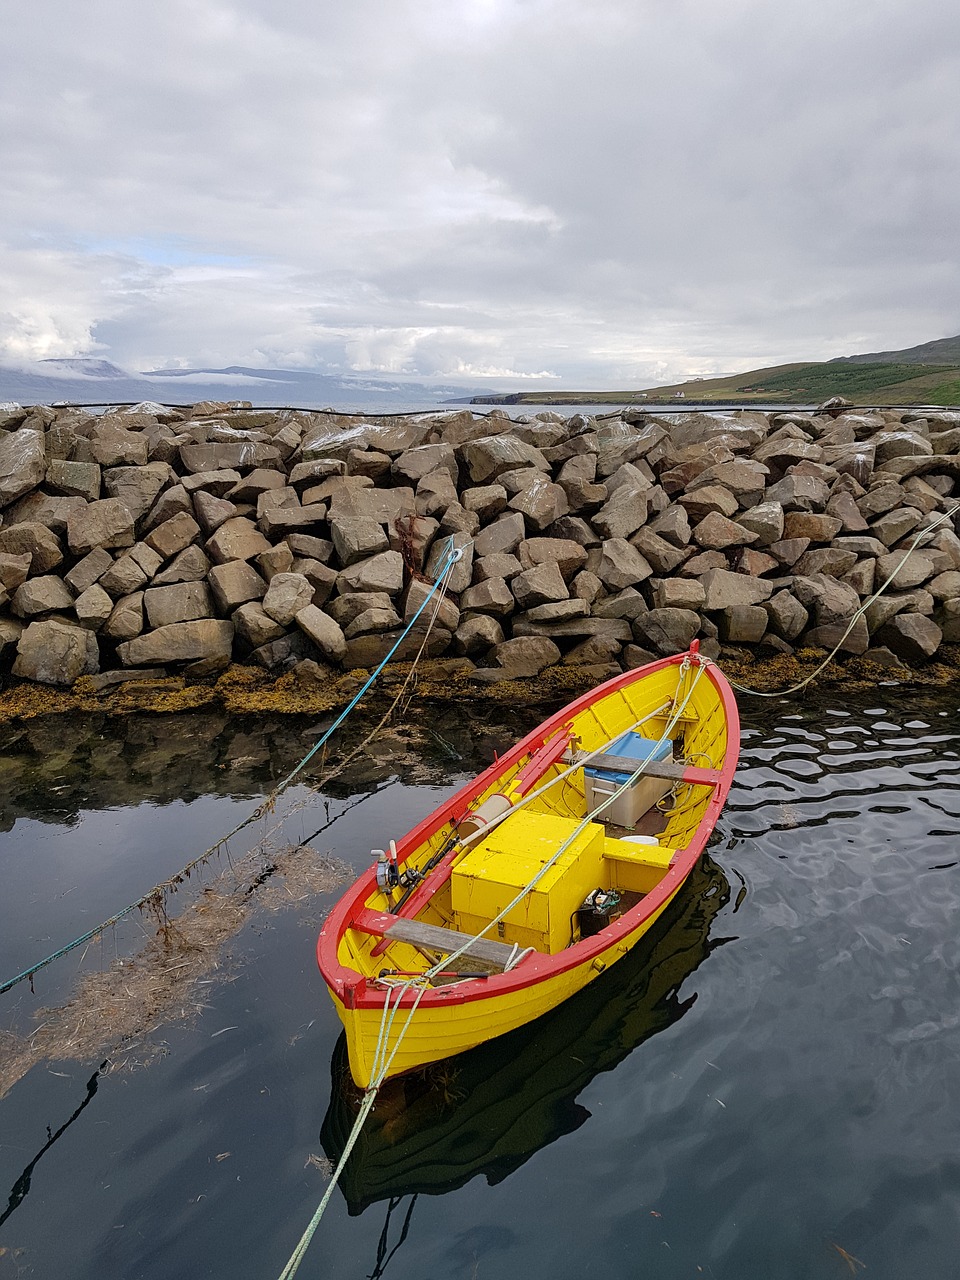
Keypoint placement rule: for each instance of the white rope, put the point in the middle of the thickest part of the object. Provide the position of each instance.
(675, 717)
(783, 693)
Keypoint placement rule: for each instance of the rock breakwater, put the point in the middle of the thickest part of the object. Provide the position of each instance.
(159, 540)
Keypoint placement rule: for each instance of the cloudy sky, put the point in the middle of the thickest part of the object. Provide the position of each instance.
(611, 193)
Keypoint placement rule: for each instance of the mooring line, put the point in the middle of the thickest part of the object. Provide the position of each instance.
(783, 693)
(449, 558)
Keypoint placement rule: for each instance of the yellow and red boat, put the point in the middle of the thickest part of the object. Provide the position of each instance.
(537, 875)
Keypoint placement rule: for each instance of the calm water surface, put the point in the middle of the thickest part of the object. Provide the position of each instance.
(771, 1079)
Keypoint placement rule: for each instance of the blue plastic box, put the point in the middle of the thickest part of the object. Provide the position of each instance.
(599, 783)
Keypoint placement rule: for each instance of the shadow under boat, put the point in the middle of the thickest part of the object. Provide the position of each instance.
(489, 1110)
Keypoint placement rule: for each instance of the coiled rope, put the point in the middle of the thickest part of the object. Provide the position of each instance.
(396, 990)
(450, 556)
(783, 693)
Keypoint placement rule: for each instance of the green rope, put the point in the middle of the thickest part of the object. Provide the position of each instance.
(450, 557)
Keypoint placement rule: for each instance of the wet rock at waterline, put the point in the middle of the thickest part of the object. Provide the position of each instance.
(192, 538)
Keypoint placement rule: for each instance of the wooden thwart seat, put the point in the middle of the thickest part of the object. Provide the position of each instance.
(664, 769)
(483, 953)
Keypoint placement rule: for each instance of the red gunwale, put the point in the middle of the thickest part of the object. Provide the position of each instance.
(355, 991)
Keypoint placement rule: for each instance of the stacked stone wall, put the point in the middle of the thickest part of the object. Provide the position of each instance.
(185, 540)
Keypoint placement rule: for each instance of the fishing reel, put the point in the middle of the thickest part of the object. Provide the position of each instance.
(389, 876)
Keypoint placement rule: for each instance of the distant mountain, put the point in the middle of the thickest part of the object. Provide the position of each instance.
(942, 351)
(84, 367)
(93, 381)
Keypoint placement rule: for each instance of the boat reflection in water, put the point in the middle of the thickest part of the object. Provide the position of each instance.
(489, 1110)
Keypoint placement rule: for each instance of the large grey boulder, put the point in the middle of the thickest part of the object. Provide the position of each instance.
(173, 535)
(542, 584)
(487, 457)
(45, 594)
(35, 540)
(663, 556)
(372, 621)
(75, 479)
(383, 572)
(204, 640)
(126, 619)
(679, 593)
(577, 478)
(106, 523)
(138, 487)
(673, 526)
(344, 609)
(619, 442)
(765, 520)
(623, 514)
(256, 627)
(787, 615)
(567, 555)
(486, 500)
(22, 464)
(190, 565)
(910, 636)
(715, 532)
(902, 574)
(286, 595)
(418, 598)
(666, 631)
(235, 583)
(828, 600)
(492, 596)
(799, 493)
(505, 534)
(113, 445)
(53, 652)
(414, 464)
(520, 658)
(744, 478)
(15, 568)
(894, 525)
(355, 539)
(743, 624)
(212, 512)
(477, 634)
(183, 602)
(621, 565)
(712, 497)
(723, 589)
(323, 631)
(540, 504)
(237, 539)
(93, 607)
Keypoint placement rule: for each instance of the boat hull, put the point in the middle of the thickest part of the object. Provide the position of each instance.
(434, 1033)
(364, 953)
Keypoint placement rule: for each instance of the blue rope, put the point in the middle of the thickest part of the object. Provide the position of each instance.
(448, 559)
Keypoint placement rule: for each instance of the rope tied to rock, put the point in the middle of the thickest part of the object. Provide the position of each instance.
(449, 557)
(859, 613)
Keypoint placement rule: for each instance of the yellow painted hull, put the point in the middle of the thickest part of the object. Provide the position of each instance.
(432, 1034)
(367, 951)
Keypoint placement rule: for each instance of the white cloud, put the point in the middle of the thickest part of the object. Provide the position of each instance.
(614, 193)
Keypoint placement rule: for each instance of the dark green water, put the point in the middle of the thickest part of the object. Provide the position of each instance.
(771, 1079)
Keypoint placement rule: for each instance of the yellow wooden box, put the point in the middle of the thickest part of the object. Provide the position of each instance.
(496, 869)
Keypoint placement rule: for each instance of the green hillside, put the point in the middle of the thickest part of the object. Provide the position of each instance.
(925, 374)
(882, 382)
(942, 351)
